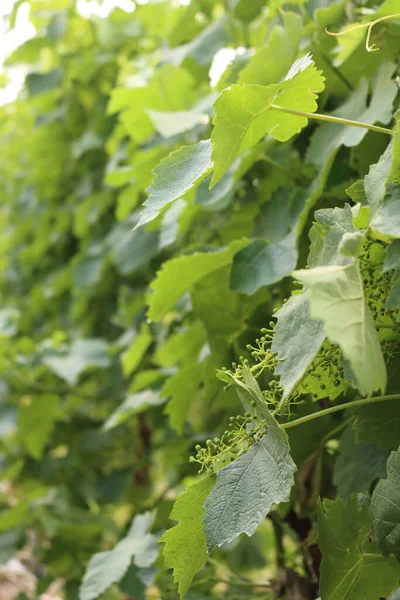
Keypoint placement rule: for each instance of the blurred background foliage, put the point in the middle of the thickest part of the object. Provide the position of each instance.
(100, 407)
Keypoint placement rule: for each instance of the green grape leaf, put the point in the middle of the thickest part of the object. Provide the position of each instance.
(178, 173)
(179, 275)
(261, 264)
(296, 341)
(36, 421)
(385, 509)
(134, 404)
(351, 566)
(185, 544)
(271, 62)
(182, 388)
(336, 298)
(244, 113)
(378, 424)
(358, 465)
(106, 568)
(247, 488)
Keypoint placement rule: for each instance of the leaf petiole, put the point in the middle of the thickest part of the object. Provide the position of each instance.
(333, 409)
(331, 119)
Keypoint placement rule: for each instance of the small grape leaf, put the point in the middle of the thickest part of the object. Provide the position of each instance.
(351, 567)
(358, 465)
(176, 174)
(179, 275)
(296, 341)
(246, 488)
(336, 298)
(106, 568)
(244, 115)
(185, 544)
(385, 509)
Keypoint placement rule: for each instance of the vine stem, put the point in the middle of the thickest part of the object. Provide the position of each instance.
(330, 119)
(333, 409)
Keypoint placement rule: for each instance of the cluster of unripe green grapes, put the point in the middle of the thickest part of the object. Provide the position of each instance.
(243, 431)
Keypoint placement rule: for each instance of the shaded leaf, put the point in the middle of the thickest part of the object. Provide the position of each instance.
(358, 465)
(350, 564)
(385, 509)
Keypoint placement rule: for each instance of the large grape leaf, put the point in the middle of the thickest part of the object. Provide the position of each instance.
(385, 509)
(351, 566)
(336, 297)
(106, 568)
(179, 172)
(296, 341)
(271, 62)
(247, 488)
(357, 465)
(244, 114)
(185, 544)
(378, 424)
(179, 275)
